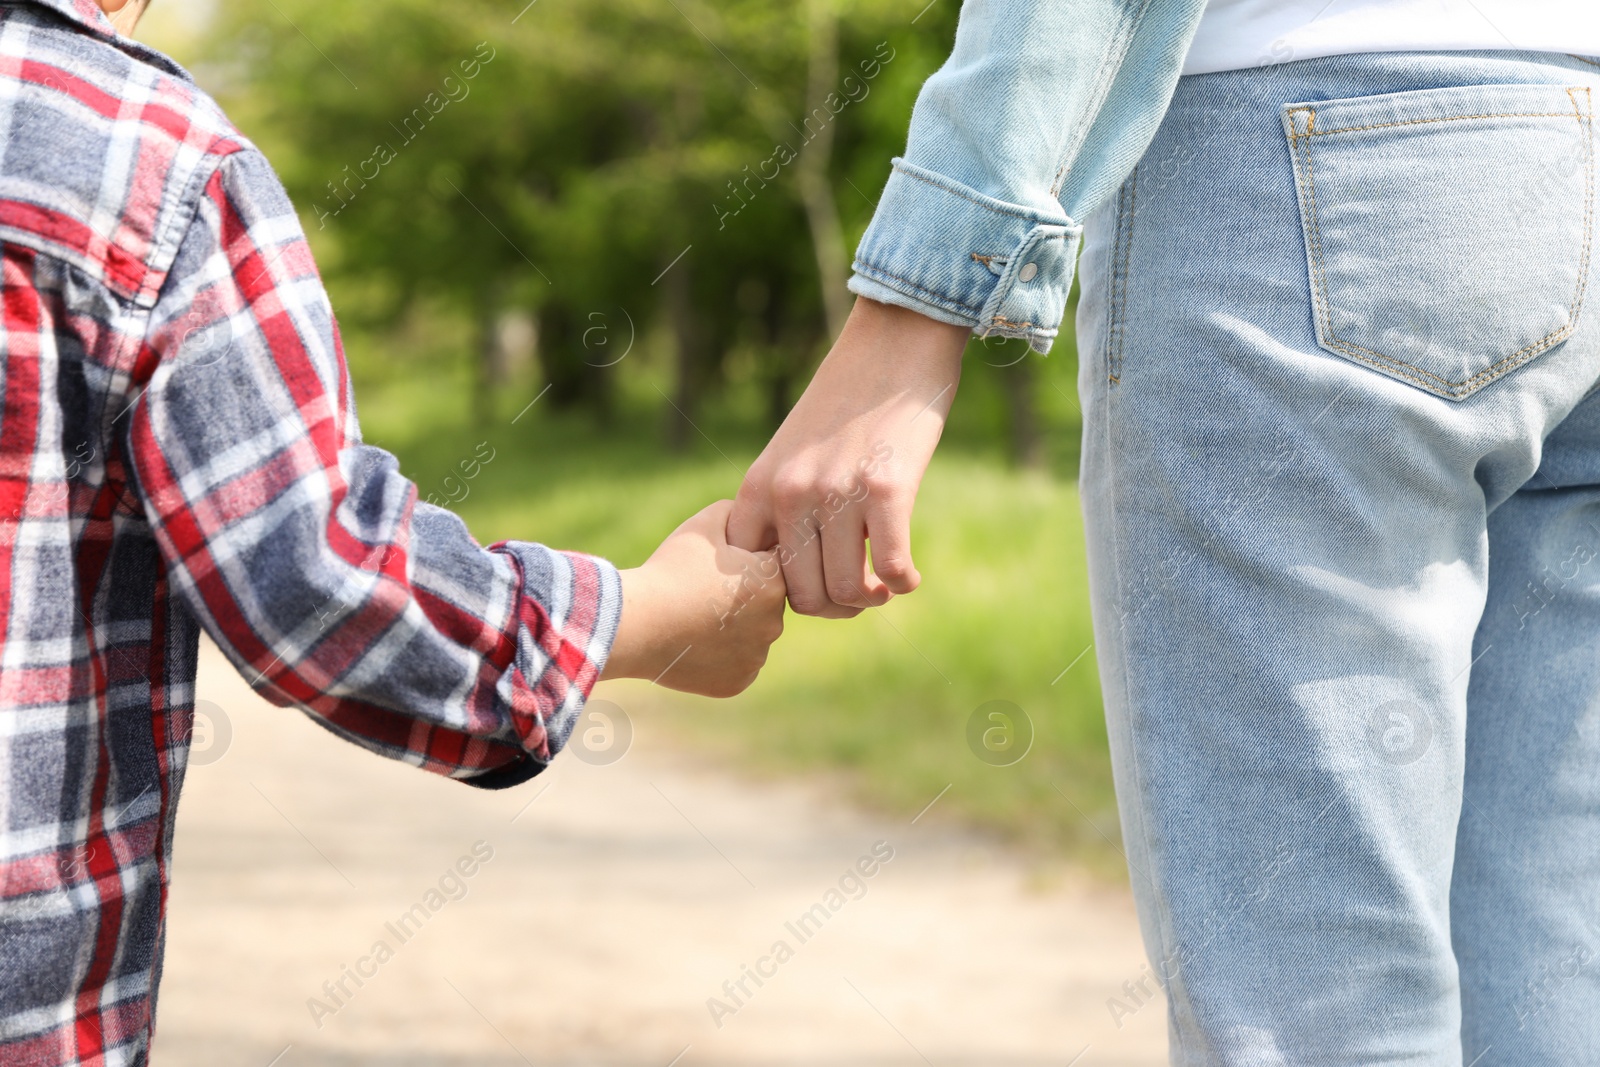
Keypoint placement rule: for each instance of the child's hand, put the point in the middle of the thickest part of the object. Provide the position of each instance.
(699, 615)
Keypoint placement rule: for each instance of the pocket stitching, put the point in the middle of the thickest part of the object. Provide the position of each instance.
(1441, 118)
(1456, 390)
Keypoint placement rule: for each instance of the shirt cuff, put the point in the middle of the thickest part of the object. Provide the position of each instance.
(561, 654)
(956, 255)
(514, 773)
(582, 601)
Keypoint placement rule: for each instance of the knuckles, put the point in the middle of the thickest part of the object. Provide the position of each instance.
(899, 574)
(881, 484)
(846, 594)
(796, 493)
(793, 491)
(806, 604)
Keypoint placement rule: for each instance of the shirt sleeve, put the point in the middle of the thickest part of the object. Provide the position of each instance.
(1041, 111)
(306, 555)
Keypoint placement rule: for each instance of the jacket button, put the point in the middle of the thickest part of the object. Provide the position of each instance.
(1028, 272)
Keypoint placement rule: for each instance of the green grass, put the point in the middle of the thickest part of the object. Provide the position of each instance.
(882, 700)
(887, 697)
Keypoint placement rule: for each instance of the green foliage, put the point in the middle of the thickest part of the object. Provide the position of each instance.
(883, 698)
(592, 144)
(631, 174)
(560, 163)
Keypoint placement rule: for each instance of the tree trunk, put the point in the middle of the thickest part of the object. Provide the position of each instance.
(816, 156)
(1027, 444)
(485, 372)
(688, 335)
(560, 352)
(792, 339)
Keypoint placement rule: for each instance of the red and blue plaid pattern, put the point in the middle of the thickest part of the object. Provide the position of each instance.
(177, 453)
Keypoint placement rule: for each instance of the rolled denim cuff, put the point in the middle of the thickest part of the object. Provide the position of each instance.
(950, 252)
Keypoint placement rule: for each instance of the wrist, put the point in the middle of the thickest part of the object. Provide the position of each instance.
(637, 645)
(909, 334)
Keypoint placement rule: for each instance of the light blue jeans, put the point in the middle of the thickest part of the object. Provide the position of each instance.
(1342, 483)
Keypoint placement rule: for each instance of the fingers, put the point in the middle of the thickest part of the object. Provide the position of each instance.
(712, 520)
(729, 660)
(760, 582)
(800, 549)
(666, 633)
(889, 528)
(846, 578)
(770, 594)
(754, 577)
(823, 554)
(750, 525)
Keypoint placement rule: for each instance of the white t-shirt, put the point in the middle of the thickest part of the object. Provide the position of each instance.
(1235, 34)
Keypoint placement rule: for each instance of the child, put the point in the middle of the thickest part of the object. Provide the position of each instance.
(178, 452)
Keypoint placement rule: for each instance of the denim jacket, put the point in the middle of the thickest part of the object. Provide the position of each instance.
(1040, 113)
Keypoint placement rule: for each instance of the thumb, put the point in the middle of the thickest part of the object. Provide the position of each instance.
(712, 520)
(769, 566)
(749, 525)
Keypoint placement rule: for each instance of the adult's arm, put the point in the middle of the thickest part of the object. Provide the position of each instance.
(1039, 114)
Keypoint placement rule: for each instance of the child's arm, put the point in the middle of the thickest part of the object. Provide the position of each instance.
(309, 559)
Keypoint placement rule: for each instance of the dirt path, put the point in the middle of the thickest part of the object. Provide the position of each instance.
(614, 902)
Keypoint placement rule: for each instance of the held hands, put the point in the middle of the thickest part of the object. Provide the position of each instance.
(699, 615)
(845, 466)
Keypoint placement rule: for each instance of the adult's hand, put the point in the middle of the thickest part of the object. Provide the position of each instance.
(846, 464)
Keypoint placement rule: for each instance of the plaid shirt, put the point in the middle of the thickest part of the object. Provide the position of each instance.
(177, 453)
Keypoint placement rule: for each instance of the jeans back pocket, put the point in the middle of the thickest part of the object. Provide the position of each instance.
(1447, 231)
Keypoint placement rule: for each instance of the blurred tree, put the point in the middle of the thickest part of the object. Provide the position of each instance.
(672, 162)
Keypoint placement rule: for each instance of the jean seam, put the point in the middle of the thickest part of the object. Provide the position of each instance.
(1173, 984)
(1121, 255)
(1117, 47)
(1020, 213)
(1400, 368)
